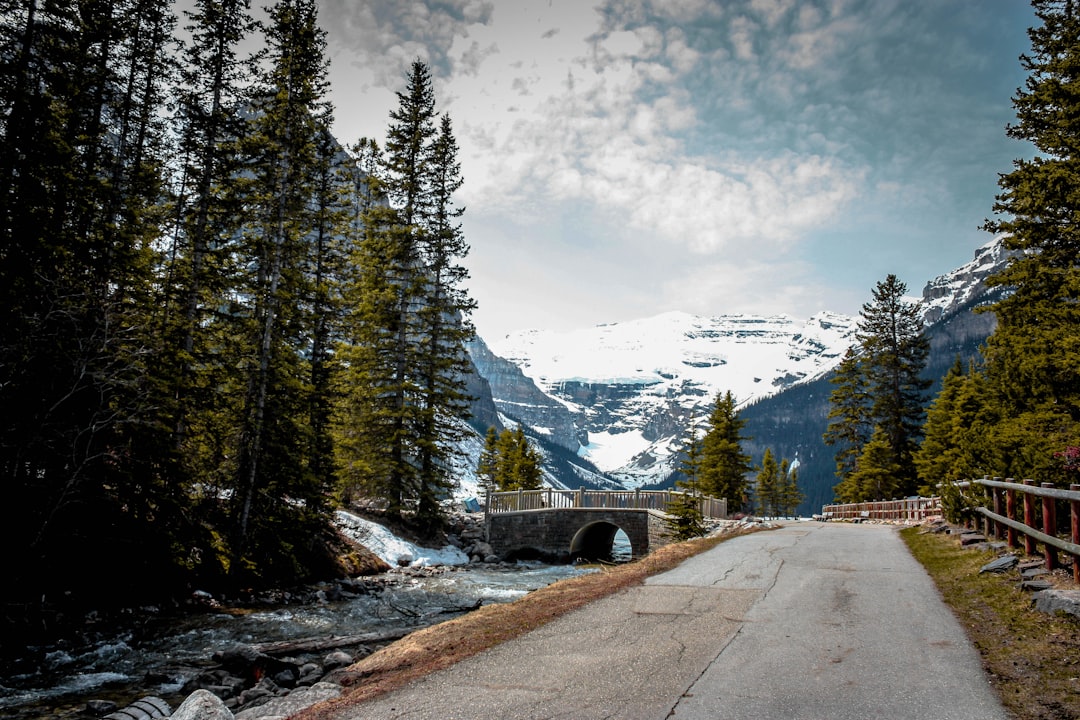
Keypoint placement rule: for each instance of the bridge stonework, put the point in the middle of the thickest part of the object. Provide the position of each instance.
(571, 533)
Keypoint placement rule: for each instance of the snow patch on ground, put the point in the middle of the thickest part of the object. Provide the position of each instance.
(393, 550)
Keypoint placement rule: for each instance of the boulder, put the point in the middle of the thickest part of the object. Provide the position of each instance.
(291, 704)
(1036, 585)
(202, 705)
(1002, 564)
(337, 659)
(972, 539)
(1054, 601)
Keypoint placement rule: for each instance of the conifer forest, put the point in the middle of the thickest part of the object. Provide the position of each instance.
(216, 320)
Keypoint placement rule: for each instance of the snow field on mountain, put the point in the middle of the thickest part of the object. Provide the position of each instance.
(751, 356)
(668, 364)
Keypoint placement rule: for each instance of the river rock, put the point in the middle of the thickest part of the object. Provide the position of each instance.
(1002, 564)
(202, 705)
(97, 708)
(337, 659)
(289, 705)
(478, 550)
(1053, 601)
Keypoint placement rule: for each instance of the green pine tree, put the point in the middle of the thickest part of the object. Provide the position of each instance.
(1033, 356)
(487, 464)
(881, 385)
(790, 497)
(279, 503)
(83, 152)
(445, 329)
(724, 466)
(684, 519)
(768, 485)
(876, 476)
(849, 413)
(893, 359)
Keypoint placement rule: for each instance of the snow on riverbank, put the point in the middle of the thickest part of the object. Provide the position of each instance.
(394, 550)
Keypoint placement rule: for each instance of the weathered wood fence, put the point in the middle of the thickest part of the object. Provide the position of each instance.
(513, 501)
(1007, 518)
(907, 510)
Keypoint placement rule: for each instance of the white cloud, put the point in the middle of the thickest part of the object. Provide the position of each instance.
(695, 128)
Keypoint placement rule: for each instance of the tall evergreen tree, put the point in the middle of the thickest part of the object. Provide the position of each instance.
(768, 484)
(724, 465)
(1033, 357)
(881, 385)
(328, 273)
(388, 322)
(789, 495)
(488, 463)
(894, 357)
(685, 519)
(278, 500)
(509, 462)
(849, 413)
(445, 329)
(936, 458)
(211, 98)
(409, 322)
(82, 160)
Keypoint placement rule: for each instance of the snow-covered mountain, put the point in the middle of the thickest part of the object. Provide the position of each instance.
(631, 387)
(623, 393)
(946, 294)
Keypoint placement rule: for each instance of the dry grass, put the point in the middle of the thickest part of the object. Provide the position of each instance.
(434, 648)
(1031, 658)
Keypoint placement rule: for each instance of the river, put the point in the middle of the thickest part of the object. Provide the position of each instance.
(156, 655)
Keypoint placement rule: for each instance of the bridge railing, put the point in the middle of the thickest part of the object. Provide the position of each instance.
(517, 500)
(907, 510)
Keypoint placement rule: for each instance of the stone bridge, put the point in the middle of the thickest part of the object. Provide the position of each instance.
(568, 534)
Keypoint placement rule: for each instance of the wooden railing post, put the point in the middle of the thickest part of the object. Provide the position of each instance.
(1010, 512)
(1050, 528)
(1029, 519)
(998, 510)
(1074, 506)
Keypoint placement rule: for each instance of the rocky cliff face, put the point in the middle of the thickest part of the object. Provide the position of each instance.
(964, 287)
(518, 397)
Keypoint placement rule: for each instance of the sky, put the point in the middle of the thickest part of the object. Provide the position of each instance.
(625, 158)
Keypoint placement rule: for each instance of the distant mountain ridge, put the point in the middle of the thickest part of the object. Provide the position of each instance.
(622, 394)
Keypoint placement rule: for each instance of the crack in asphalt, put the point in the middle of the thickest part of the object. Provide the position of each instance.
(742, 624)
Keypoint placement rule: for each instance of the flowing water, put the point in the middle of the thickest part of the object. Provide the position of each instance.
(157, 656)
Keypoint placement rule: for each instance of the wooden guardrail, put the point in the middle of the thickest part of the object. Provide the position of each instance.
(907, 510)
(1006, 520)
(545, 498)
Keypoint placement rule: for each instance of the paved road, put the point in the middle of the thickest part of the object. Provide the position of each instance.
(807, 621)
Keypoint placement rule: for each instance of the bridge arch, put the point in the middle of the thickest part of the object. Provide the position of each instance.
(567, 534)
(596, 541)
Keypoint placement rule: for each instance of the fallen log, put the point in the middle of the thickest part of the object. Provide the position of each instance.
(317, 644)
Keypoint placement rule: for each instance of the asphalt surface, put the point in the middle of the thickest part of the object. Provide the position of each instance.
(812, 620)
